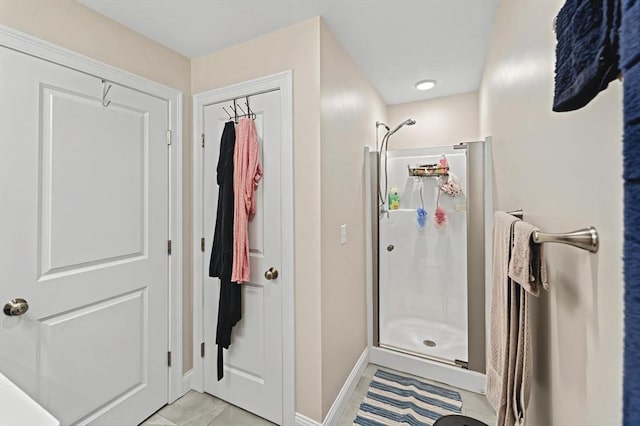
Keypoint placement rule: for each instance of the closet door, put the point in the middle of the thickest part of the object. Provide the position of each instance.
(253, 364)
(84, 202)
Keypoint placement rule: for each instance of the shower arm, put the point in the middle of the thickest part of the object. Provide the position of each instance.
(384, 147)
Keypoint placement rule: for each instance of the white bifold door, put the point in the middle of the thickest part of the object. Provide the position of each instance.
(83, 232)
(253, 364)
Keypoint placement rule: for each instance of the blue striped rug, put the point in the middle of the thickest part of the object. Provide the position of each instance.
(393, 399)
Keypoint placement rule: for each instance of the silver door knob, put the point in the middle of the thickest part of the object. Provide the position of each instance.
(271, 274)
(16, 307)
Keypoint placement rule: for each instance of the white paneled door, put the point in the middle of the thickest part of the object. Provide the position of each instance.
(253, 364)
(83, 239)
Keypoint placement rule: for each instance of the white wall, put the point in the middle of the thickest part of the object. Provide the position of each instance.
(565, 171)
(350, 106)
(441, 121)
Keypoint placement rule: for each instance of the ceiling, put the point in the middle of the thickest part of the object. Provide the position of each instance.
(395, 42)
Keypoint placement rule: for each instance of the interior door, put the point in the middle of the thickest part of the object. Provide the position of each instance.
(84, 224)
(253, 364)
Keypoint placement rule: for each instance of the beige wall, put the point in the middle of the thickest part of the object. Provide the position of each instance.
(440, 121)
(76, 27)
(295, 48)
(565, 171)
(350, 106)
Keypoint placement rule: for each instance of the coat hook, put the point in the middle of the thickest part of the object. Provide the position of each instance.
(225, 110)
(252, 114)
(235, 111)
(105, 92)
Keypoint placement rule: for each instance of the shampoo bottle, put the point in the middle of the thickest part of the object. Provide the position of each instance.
(394, 198)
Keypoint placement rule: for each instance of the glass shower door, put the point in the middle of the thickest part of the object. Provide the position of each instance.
(422, 290)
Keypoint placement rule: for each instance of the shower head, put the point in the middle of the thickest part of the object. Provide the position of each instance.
(408, 122)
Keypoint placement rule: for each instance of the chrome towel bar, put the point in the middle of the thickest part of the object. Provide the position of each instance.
(585, 238)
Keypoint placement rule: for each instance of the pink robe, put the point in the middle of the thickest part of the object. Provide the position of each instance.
(246, 175)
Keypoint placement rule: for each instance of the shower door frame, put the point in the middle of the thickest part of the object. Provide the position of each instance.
(432, 367)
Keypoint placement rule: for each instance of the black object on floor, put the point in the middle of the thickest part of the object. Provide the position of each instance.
(457, 420)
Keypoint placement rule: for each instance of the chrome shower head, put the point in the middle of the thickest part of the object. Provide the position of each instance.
(407, 122)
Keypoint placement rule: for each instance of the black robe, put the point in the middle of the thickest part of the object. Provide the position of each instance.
(220, 265)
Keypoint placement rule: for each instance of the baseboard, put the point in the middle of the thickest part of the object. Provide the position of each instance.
(302, 420)
(337, 408)
(339, 405)
(186, 382)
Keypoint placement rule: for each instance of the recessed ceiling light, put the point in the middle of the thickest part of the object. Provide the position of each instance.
(425, 84)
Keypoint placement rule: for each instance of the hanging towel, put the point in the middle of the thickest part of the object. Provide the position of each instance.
(221, 262)
(630, 62)
(586, 52)
(527, 266)
(509, 358)
(497, 360)
(247, 175)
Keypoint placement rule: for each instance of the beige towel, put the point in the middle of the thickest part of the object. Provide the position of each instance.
(497, 360)
(527, 266)
(509, 357)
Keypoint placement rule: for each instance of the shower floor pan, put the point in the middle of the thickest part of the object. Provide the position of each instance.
(423, 337)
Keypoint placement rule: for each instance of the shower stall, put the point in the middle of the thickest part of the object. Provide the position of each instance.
(427, 260)
(423, 269)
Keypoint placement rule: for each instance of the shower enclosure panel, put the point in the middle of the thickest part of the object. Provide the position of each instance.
(422, 290)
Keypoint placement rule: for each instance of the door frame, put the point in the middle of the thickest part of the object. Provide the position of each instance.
(32, 46)
(283, 82)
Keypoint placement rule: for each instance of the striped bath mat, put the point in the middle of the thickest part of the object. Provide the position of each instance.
(393, 399)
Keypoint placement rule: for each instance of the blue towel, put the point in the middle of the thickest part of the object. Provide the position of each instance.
(586, 52)
(630, 64)
(631, 397)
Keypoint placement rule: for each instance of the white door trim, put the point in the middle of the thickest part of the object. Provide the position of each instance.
(41, 49)
(282, 82)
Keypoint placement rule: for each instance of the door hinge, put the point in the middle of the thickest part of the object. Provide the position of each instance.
(169, 358)
(168, 137)
(202, 244)
(202, 139)
(462, 364)
(202, 349)
(169, 247)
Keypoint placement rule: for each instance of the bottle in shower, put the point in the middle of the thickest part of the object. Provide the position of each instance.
(394, 198)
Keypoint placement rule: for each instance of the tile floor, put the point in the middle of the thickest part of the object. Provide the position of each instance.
(201, 409)
(196, 409)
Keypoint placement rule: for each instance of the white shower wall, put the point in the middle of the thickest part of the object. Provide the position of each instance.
(423, 278)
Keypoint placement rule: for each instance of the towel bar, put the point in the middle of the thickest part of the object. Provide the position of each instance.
(586, 238)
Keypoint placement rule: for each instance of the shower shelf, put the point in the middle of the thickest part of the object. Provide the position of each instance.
(402, 210)
(428, 170)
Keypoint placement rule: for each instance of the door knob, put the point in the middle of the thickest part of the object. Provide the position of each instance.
(271, 274)
(16, 307)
